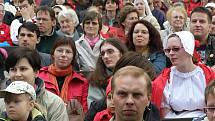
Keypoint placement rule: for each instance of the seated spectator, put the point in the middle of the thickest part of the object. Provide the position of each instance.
(178, 91)
(129, 59)
(24, 64)
(111, 51)
(157, 13)
(106, 31)
(26, 9)
(58, 8)
(3, 78)
(46, 22)
(145, 13)
(176, 21)
(89, 43)
(4, 28)
(68, 21)
(145, 39)
(128, 15)
(106, 114)
(131, 93)
(19, 98)
(111, 16)
(210, 102)
(29, 36)
(60, 78)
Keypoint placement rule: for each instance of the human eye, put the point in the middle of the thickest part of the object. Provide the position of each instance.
(136, 31)
(137, 95)
(110, 51)
(22, 34)
(145, 32)
(68, 51)
(202, 21)
(23, 68)
(194, 21)
(121, 93)
(12, 69)
(59, 50)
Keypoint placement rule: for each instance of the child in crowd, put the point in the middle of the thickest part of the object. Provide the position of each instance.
(19, 98)
(106, 115)
(210, 102)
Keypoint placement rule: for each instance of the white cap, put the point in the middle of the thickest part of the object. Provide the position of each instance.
(187, 40)
(19, 87)
(210, 5)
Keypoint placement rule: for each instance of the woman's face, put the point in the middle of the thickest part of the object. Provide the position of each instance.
(130, 19)
(110, 5)
(175, 51)
(140, 35)
(67, 25)
(140, 6)
(63, 56)
(60, 2)
(110, 55)
(91, 28)
(177, 20)
(23, 71)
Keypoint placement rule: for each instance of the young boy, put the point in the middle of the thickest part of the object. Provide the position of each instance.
(106, 115)
(210, 101)
(19, 98)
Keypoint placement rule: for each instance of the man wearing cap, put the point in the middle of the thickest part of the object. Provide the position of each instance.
(19, 98)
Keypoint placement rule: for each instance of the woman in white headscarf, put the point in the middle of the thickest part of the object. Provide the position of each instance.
(145, 13)
(178, 91)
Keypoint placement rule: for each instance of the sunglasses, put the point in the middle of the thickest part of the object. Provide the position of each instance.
(174, 49)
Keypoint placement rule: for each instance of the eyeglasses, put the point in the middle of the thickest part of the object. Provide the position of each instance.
(209, 109)
(174, 49)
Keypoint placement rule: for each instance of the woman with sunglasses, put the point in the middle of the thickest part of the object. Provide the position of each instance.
(145, 39)
(178, 91)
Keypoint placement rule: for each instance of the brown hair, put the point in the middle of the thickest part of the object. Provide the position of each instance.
(134, 72)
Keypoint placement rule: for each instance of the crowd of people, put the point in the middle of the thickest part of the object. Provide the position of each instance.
(107, 60)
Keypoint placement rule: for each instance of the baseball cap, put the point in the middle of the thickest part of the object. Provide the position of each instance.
(19, 87)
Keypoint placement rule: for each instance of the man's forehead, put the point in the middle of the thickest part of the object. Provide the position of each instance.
(130, 80)
(43, 12)
(26, 31)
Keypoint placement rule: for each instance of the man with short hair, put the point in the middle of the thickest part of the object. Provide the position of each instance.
(29, 36)
(200, 24)
(27, 11)
(131, 89)
(46, 22)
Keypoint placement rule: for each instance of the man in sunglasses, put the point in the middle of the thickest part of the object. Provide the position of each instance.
(200, 24)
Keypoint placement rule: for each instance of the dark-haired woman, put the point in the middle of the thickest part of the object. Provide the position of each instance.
(146, 40)
(111, 51)
(60, 78)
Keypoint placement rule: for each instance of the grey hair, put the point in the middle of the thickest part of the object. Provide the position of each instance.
(69, 13)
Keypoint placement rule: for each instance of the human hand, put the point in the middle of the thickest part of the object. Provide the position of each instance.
(75, 110)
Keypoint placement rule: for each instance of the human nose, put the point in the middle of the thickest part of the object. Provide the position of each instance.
(130, 100)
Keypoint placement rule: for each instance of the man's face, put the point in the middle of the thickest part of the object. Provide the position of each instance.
(211, 107)
(44, 22)
(199, 25)
(157, 4)
(25, 6)
(130, 98)
(27, 38)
